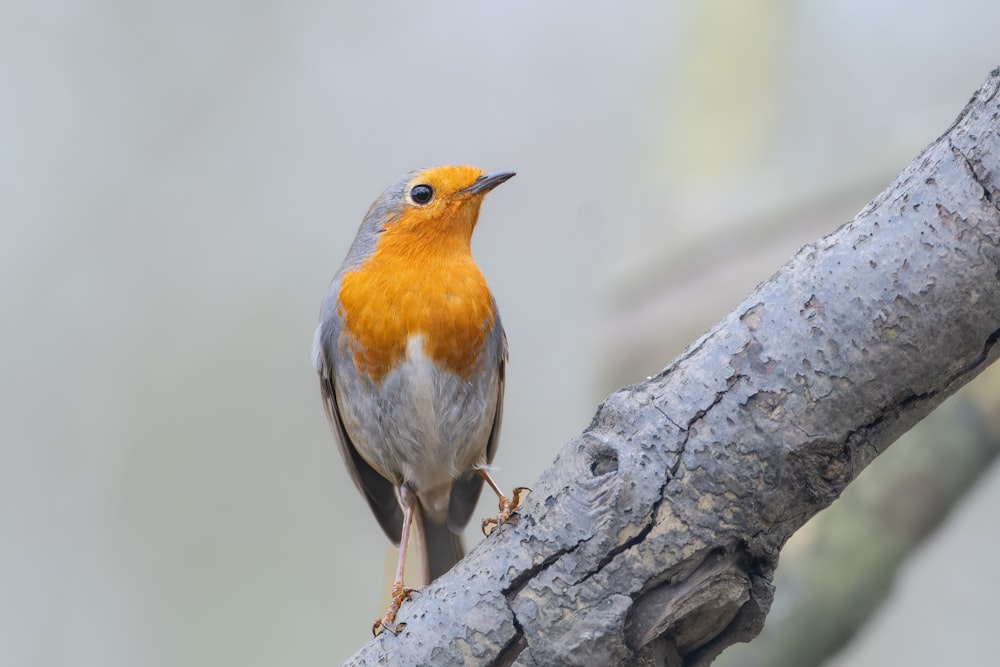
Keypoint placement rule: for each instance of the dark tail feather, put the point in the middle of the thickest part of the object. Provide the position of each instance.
(441, 548)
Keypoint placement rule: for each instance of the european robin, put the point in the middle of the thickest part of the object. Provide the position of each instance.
(411, 358)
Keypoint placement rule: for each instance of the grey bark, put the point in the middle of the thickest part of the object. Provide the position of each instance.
(843, 565)
(653, 536)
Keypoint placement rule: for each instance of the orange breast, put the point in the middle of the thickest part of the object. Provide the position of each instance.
(434, 290)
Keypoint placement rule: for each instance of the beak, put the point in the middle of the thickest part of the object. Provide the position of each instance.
(484, 184)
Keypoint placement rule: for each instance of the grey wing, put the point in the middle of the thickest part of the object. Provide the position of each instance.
(491, 445)
(377, 490)
(466, 489)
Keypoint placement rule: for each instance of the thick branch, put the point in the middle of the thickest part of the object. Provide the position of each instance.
(839, 569)
(653, 536)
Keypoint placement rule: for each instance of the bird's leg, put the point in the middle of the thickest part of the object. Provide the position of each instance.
(507, 505)
(399, 591)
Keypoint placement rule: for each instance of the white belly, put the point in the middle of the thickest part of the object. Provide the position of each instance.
(422, 425)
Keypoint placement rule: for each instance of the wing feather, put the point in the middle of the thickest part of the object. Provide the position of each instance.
(377, 490)
(466, 489)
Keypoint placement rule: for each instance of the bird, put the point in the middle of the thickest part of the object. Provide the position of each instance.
(411, 357)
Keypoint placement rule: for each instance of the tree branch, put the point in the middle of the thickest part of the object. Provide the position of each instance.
(653, 536)
(839, 569)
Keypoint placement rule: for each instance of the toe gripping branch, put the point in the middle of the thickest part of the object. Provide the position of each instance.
(507, 505)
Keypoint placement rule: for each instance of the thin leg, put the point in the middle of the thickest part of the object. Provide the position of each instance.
(399, 591)
(489, 480)
(507, 505)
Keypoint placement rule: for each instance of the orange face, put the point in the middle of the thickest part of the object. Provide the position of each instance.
(421, 280)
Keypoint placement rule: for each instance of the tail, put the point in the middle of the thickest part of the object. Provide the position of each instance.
(441, 548)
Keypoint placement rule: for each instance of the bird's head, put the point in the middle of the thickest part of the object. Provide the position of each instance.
(434, 204)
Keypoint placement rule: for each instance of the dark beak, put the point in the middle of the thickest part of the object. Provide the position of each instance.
(486, 183)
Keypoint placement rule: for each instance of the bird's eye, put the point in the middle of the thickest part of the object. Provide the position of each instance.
(421, 194)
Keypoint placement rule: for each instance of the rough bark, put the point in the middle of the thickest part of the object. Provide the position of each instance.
(653, 536)
(837, 571)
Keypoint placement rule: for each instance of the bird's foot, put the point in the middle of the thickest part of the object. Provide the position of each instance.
(388, 622)
(507, 507)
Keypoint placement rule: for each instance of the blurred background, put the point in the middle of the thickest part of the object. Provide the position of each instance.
(181, 180)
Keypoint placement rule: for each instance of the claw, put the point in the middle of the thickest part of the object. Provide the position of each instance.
(507, 507)
(518, 497)
(388, 621)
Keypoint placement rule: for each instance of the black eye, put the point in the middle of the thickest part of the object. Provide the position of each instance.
(421, 194)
